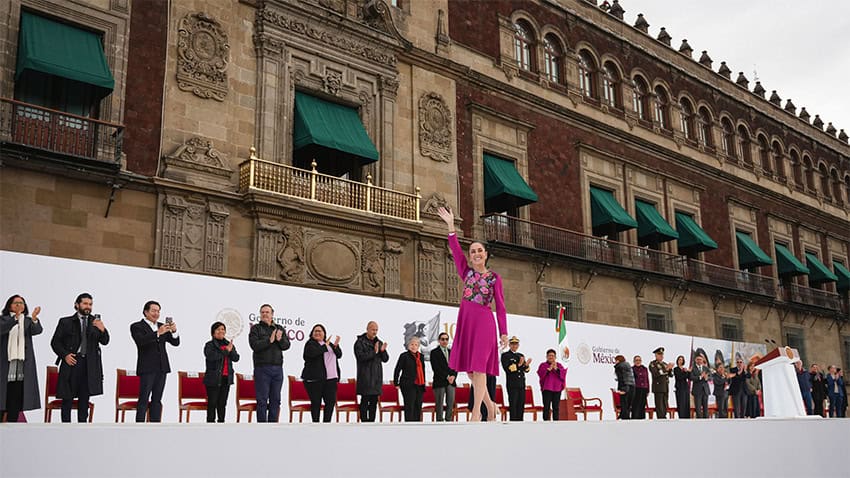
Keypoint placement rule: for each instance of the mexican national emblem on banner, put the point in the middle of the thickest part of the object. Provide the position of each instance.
(561, 330)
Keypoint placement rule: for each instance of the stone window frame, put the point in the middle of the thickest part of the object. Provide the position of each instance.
(657, 309)
(611, 77)
(523, 45)
(113, 26)
(706, 127)
(675, 205)
(833, 256)
(552, 36)
(635, 192)
(687, 123)
(662, 113)
(616, 185)
(744, 144)
(548, 294)
(800, 333)
(588, 77)
(728, 139)
(517, 151)
(645, 101)
(786, 238)
(807, 245)
(737, 224)
(735, 320)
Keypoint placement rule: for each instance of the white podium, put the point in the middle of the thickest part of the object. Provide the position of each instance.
(780, 389)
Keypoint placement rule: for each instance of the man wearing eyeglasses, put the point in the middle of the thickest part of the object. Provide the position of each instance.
(737, 389)
(444, 379)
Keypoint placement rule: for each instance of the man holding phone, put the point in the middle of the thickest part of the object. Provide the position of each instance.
(152, 364)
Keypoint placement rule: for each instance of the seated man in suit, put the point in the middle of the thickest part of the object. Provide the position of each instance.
(152, 364)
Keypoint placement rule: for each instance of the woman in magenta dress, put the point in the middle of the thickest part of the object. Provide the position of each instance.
(475, 349)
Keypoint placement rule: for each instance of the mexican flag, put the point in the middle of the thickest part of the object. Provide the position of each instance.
(561, 331)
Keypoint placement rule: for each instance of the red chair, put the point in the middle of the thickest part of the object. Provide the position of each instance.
(530, 407)
(462, 398)
(51, 402)
(346, 400)
(246, 397)
(191, 393)
(126, 389)
(583, 405)
(500, 402)
(615, 398)
(429, 402)
(389, 402)
(299, 401)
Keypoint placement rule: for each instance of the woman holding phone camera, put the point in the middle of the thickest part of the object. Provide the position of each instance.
(220, 355)
(321, 372)
(18, 375)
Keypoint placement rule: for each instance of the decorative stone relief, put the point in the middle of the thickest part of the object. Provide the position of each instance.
(433, 203)
(333, 260)
(202, 56)
(197, 161)
(452, 281)
(435, 132)
(392, 276)
(388, 85)
(372, 266)
(335, 5)
(291, 255)
(332, 82)
(432, 272)
(268, 239)
(194, 235)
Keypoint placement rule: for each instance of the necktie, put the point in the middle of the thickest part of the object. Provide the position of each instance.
(84, 339)
(445, 352)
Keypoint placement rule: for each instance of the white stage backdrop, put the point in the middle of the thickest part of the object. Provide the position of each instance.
(196, 301)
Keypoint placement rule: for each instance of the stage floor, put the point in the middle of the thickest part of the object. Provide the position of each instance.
(673, 448)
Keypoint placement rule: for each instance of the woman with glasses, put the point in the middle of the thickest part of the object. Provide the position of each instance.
(18, 376)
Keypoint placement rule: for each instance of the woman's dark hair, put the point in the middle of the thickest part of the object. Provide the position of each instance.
(8, 308)
(682, 357)
(619, 358)
(551, 351)
(321, 327)
(216, 325)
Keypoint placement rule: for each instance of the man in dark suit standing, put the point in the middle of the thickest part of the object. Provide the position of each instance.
(77, 342)
(516, 366)
(152, 364)
(444, 379)
(699, 389)
(661, 373)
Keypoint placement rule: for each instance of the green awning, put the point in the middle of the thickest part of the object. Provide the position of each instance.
(323, 125)
(504, 188)
(58, 49)
(819, 272)
(651, 225)
(749, 253)
(843, 276)
(787, 263)
(691, 236)
(607, 212)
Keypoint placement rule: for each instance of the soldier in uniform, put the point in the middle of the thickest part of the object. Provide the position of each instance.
(661, 373)
(516, 366)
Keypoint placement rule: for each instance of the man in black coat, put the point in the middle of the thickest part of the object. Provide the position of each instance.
(444, 379)
(77, 342)
(152, 364)
(370, 353)
(516, 366)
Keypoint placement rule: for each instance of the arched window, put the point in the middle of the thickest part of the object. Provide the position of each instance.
(611, 85)
(847, 187)
(796, 170)
(706, 138)
(764, 156)
(523, 45)
(744, 145)
(662, 107)
(809, 172)
(553, 57)
(640, 99)
(687, 114)
(778, 159)
(824, 181)
(587, 74)
(729, 147)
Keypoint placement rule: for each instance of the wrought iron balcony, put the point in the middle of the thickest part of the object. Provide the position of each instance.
(727, 278)
(808, 296)
(60, 132)
(510, 230)
(279, 179)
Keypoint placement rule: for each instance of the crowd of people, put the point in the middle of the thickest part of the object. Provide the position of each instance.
(741, 384)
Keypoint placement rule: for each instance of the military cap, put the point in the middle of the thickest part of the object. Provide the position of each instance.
(513, 340)
(659, 350)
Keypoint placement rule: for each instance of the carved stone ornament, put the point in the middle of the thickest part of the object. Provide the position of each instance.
(291, 255)
(332, 82)
(194, 234)
(372, 266)
(202, 56)
(199, 154)
(433, 203)
(435, 132)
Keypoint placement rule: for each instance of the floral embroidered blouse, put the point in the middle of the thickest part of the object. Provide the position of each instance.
(479, 288)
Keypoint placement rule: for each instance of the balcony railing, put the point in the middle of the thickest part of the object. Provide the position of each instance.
(60, 132)
(259, 175)
(725, 277)
(808, 296)
(519, 232)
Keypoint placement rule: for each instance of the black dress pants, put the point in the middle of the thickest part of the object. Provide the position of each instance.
(412, 402)
(322, 391)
